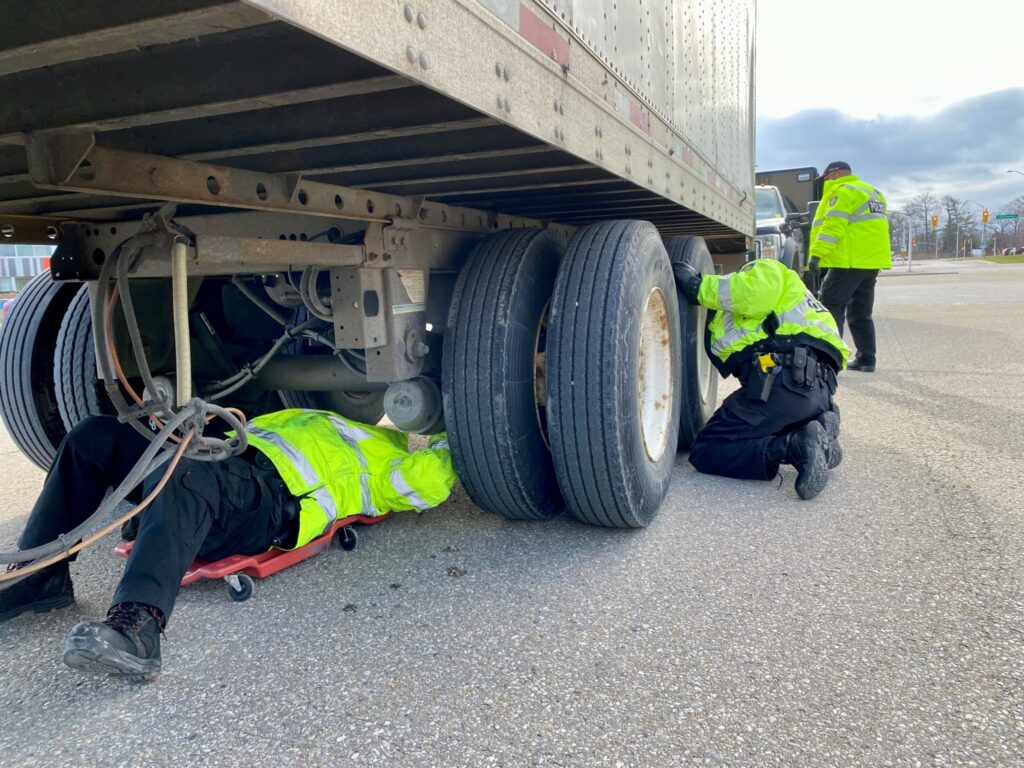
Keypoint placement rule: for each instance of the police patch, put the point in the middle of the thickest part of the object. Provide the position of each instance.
(876, 207)
(833, 201)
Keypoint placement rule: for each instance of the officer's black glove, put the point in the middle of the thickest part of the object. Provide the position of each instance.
(814, 269)
(688, 279)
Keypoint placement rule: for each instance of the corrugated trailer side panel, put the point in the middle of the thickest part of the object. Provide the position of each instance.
(657, 93)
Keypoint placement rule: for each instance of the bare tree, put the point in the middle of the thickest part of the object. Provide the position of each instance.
(960, 227)
(1011, 231)
(920, 209)
(898, 230)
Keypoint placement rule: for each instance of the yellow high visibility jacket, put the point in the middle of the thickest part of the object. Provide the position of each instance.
(765, 307)
(850, 229)
(337, 467)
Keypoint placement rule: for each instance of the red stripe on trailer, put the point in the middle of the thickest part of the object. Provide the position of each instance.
(639, 118)
(534, 29)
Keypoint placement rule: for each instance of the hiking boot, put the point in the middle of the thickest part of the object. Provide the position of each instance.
(41, 592)
(829, 421)
(859, 365)
(125, 645)
(808, 451)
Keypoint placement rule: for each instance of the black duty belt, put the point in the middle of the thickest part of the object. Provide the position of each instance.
(803, 365)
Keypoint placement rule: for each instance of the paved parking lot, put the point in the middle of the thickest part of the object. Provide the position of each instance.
(878, 625)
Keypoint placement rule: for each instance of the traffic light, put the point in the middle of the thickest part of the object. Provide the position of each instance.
(935, 222)
(984, 217)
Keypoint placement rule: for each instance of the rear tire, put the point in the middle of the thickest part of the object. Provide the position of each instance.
(364, 407)
(699, 377)
(613, 374)
(78, 389)
(28, 339)
(493, 350)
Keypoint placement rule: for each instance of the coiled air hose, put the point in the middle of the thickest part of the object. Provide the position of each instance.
(185, 425)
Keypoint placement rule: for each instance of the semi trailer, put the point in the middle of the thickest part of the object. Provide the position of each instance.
(460, 214)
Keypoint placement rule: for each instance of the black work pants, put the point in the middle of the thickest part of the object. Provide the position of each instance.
(736, 440)
(206, 509)
(849, 294)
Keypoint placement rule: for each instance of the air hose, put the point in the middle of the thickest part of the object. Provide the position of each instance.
(187, 419)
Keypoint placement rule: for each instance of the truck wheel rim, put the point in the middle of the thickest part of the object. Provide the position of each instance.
(705, 372)
(654, 393)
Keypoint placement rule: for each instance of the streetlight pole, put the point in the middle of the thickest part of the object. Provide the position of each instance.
(984, 225)
(910, 238)
(1011, 170)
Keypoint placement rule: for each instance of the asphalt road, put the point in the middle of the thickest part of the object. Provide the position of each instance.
(878, 625)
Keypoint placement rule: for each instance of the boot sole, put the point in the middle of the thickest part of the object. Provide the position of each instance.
(98, 657)
(834, 453)
(40, 606)
(815, 479)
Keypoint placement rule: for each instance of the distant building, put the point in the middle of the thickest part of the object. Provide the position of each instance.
(20, 263)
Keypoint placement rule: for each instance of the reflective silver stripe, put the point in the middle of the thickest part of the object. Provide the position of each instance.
(873, 197)
(731, 334)
(725, 293)
(827, 238)
(838, 215)
(399, 484)
(441, 444)
(301, 464)
(868, 217)
(309, 476)
(798, 316)
(352, 435)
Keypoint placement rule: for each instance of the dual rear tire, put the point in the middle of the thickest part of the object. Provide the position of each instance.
(565, 384)
(33, 344)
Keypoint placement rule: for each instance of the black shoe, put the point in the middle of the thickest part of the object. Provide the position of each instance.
(808, 452)
(126, 645)
(829, 421)
(859, 365)
(44, 591)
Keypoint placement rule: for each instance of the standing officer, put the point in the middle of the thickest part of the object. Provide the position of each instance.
(850, 236)
(769, 331)
(302, 471)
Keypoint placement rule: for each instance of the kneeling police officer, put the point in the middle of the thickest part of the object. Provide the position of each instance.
(766, 329)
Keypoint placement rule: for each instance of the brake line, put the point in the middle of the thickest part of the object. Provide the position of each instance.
(195, 414)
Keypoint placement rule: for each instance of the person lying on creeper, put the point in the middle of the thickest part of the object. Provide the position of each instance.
(302, 471)
(765, 328)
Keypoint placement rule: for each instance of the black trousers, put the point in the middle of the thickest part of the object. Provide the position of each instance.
(735, 441)
(207, 509)
(849, 294)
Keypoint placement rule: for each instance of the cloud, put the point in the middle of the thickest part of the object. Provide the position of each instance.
(964, 150)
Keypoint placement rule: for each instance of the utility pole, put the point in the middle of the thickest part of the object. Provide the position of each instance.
(984, 223)
(910, 243)
(910, 238)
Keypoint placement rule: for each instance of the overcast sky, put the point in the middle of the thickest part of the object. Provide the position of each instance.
(917, 95)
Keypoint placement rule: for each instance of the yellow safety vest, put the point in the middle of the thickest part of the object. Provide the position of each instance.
(338, 468)
(745, 300)
(851, 228)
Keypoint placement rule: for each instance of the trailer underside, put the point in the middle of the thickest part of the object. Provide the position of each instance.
(227, 84)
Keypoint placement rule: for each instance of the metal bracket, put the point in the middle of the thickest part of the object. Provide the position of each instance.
(30, 230)
(54, 157)
(384, 312)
